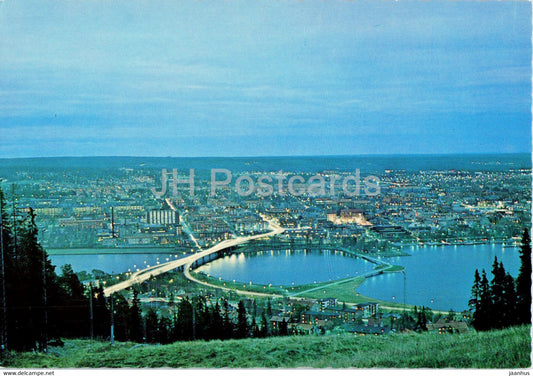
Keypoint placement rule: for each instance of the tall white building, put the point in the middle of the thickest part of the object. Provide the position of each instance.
(162, 217)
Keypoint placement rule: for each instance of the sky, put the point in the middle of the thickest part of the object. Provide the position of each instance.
(267, 77)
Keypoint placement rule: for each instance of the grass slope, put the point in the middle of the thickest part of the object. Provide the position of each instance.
(509, 348)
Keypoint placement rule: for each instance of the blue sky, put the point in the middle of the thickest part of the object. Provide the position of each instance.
(266, 77)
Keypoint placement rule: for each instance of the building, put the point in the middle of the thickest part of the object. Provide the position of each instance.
(344, 216)
(162, 217)
(367, 309)
(250, 224)
(362, 330)
(347, 315)
(317, 317)
(448, 326)
(276, 321)
(327, 302)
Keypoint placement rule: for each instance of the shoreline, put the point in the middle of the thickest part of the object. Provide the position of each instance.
(113, 251)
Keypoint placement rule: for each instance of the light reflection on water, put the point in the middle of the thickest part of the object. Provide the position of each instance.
(111, 263)
(287, 267)
(440, 277)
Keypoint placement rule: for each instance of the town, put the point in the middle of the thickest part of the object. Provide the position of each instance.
(115, 211)
(118, 209)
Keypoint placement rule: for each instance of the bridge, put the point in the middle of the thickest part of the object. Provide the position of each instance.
(188, 262)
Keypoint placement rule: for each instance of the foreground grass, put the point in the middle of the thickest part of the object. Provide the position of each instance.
(509, 348)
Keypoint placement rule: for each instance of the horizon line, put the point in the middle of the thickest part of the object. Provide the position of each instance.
(273, 156)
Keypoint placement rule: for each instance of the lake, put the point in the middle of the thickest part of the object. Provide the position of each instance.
(112, 263)
(438, 277)
(287, 267)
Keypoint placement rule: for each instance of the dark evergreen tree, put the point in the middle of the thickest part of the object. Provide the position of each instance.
(256, 333)
(509, 301)
(482, 316)
(7, 259)
(242, 322)
(423, 320)
(496, 294)
(494, 306)
(416, 319)
(265, 330)
(135, 324)
(185, 320)
(474, 301)
(101, 313)
(478, 316)
(40, 305)
(121, 318)
(175, 331)
(451, 314)
(217, 323)
(283, 328)
(202, 319)
(420, 316)
(164, 329)
(76, 310)
(151, 326)
(34, 293)
(228, 328)
(523, 282)
(71, 283)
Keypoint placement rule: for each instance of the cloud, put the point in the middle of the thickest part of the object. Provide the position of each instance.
(94, 72)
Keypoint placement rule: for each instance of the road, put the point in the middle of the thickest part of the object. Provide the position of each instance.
(145, 274)
(184, 224)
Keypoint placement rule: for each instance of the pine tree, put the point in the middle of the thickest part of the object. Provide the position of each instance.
(256, 333)
(135, 324)
(423, 320)
(121, 318)
(201, 318)
(242, 322)
(228, 324)
(496, 293)
(76, 313)
(185, 320)
(204, 321)
(40, 305)
(417, 318)
(35, 289)
(151, 325)
(420, 316)
(164, 328)
(523, 281)
(264, 325)
(473, 303)
(217, 324)
(175, 331)
(283, 328)
(485, 304)
(102, 313)
(509, 301)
